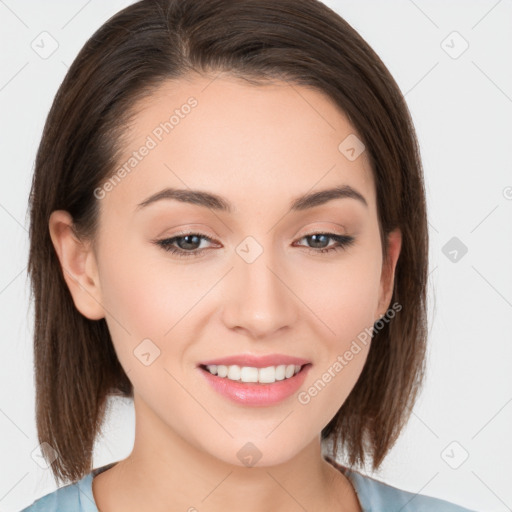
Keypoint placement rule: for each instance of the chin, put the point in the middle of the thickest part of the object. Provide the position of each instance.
(251, 452)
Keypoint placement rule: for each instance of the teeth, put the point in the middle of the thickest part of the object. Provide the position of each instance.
(250, 374)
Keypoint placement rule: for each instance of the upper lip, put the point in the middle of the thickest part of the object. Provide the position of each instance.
(256, 361)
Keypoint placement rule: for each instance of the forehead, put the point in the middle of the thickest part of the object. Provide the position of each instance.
(267, 142)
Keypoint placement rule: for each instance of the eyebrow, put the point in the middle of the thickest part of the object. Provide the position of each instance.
(219, 203)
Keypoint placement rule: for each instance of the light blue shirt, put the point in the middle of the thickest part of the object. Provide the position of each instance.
(374, 496)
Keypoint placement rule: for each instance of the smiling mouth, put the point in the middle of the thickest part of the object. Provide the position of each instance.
(251, 374)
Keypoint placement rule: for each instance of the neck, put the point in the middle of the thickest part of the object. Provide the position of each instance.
(164, 472)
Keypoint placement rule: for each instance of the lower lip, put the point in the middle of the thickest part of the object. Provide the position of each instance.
(256, 394)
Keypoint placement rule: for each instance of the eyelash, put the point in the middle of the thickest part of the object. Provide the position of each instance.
(343, 241)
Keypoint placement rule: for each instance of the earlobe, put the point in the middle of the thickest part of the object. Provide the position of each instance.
(78, 264)
(388, 271)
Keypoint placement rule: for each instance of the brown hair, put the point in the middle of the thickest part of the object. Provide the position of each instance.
(300, 41)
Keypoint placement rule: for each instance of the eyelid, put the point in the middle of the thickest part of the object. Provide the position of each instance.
(189, 229)
(317, 230)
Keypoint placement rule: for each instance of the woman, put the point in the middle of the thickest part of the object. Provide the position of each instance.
(228, 225)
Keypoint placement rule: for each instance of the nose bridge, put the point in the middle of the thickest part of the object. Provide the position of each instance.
(259, 299)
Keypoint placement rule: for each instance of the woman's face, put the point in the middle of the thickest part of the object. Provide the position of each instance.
(253, 281)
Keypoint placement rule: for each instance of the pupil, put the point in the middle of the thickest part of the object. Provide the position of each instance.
(186, 238)
(316, 237)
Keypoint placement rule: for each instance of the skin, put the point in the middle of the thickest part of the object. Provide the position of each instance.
(259, 147)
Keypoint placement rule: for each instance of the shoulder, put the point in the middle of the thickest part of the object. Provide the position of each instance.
(376, 496)
(75, 497)
(65, 498)
(379, 496)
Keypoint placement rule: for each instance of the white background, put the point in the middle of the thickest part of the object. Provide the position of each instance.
(462, 111)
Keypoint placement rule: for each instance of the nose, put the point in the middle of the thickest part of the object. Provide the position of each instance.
(259, 297)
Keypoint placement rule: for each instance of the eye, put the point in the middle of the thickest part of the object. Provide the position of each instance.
(342, 242)
(188, 243)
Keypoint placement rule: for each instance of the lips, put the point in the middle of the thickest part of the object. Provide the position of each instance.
(256, 394)
(256, 361)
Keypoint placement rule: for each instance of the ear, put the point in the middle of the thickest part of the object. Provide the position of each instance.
(388, 271)
(79, 266)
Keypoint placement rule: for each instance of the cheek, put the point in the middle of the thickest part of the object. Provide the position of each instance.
(143, 291)
(155, 313)
(345, 300)
(343, 295)
(348, 312)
